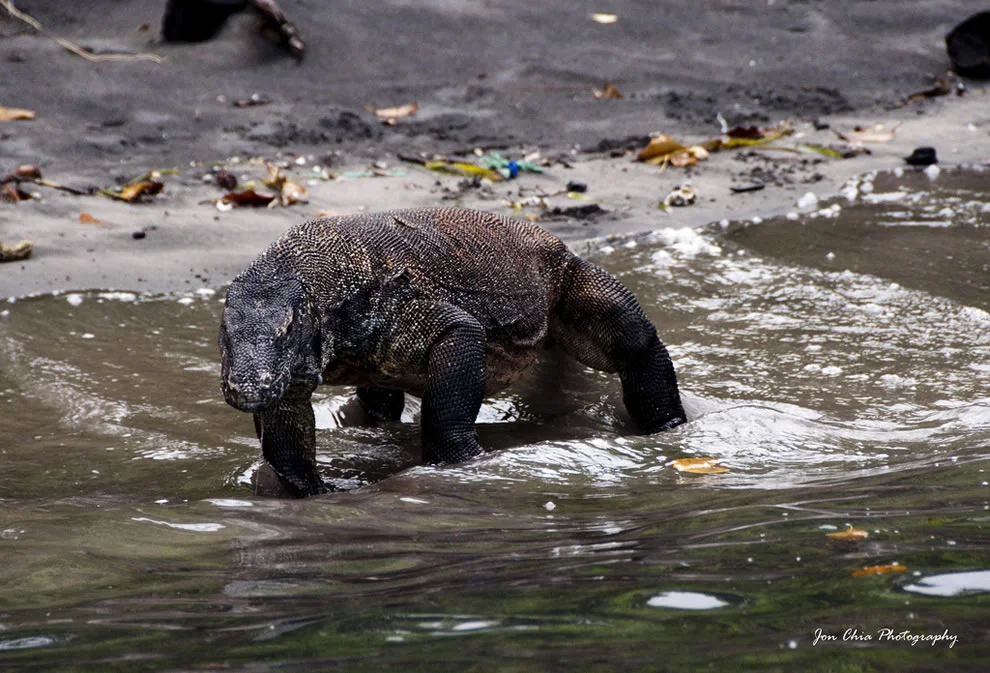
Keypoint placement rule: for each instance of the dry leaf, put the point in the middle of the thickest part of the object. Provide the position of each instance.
(13, 253)
(699, 466)
(698, 152)
(849, 534)
(390, 114)
(880, 570)
(27, 172)
(134, 191)
(292, 193)
(608, 91)
(747, 136)
(877, 134)
(683, 159)
(658, 149)
(13, 194)
(9, 114)
(86, 218)
(249, 197)
(462, 168)
(604, 18)
(276, 176)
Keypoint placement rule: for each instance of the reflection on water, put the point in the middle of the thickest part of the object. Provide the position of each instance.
(838, 363)
(952, 584)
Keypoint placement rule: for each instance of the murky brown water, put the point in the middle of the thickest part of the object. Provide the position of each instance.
(838, 364)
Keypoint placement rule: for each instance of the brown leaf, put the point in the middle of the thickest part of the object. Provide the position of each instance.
(134, 191)
(27, 172)
(390, 114)
(18, 251)
(249, 197)
(9, 114)
(699, 466)
(849, 533)
(880, 570)
(86, 218)
(750, 132)
(608, 91)
(659, 147)
(14, 194)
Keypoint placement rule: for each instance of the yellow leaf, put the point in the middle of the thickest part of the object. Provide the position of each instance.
(659, 147)
(849, 534)
(9, 114)
(604, 18)
(135, 190)
(699, 466)
(461, 168)
(880, 570)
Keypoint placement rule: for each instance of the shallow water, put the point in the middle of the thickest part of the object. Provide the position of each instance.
(837, 363)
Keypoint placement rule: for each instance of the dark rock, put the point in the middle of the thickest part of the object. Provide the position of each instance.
(922, 156)
(577, 212)
(968, 45)
(575, 186)
(138, 235)
(197, 20)
(751, 187)
(637, 142)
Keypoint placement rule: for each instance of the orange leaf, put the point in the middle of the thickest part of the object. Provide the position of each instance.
(9, 114)
(608, 91)
(880, 570)
(699, 466)
(86, 218)
(849, 534)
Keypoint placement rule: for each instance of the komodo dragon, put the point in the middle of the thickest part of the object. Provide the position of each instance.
(448, 305)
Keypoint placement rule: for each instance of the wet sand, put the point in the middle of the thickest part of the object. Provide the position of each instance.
(516, 77)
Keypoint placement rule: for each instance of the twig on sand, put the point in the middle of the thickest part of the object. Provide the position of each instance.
(73, 47)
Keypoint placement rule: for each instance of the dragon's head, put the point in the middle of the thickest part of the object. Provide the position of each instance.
(269, 340)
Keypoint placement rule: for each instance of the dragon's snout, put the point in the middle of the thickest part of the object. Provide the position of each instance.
(251, 396)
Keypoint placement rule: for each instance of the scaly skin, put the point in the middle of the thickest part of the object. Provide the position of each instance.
(447, 305)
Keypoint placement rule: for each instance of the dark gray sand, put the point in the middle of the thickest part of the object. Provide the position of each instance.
(511, 76)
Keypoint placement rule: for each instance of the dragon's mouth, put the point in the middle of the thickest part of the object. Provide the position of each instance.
(254, 397)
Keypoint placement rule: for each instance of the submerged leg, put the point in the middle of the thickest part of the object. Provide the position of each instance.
(287, 432)
(382, 404)
(600, 323)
